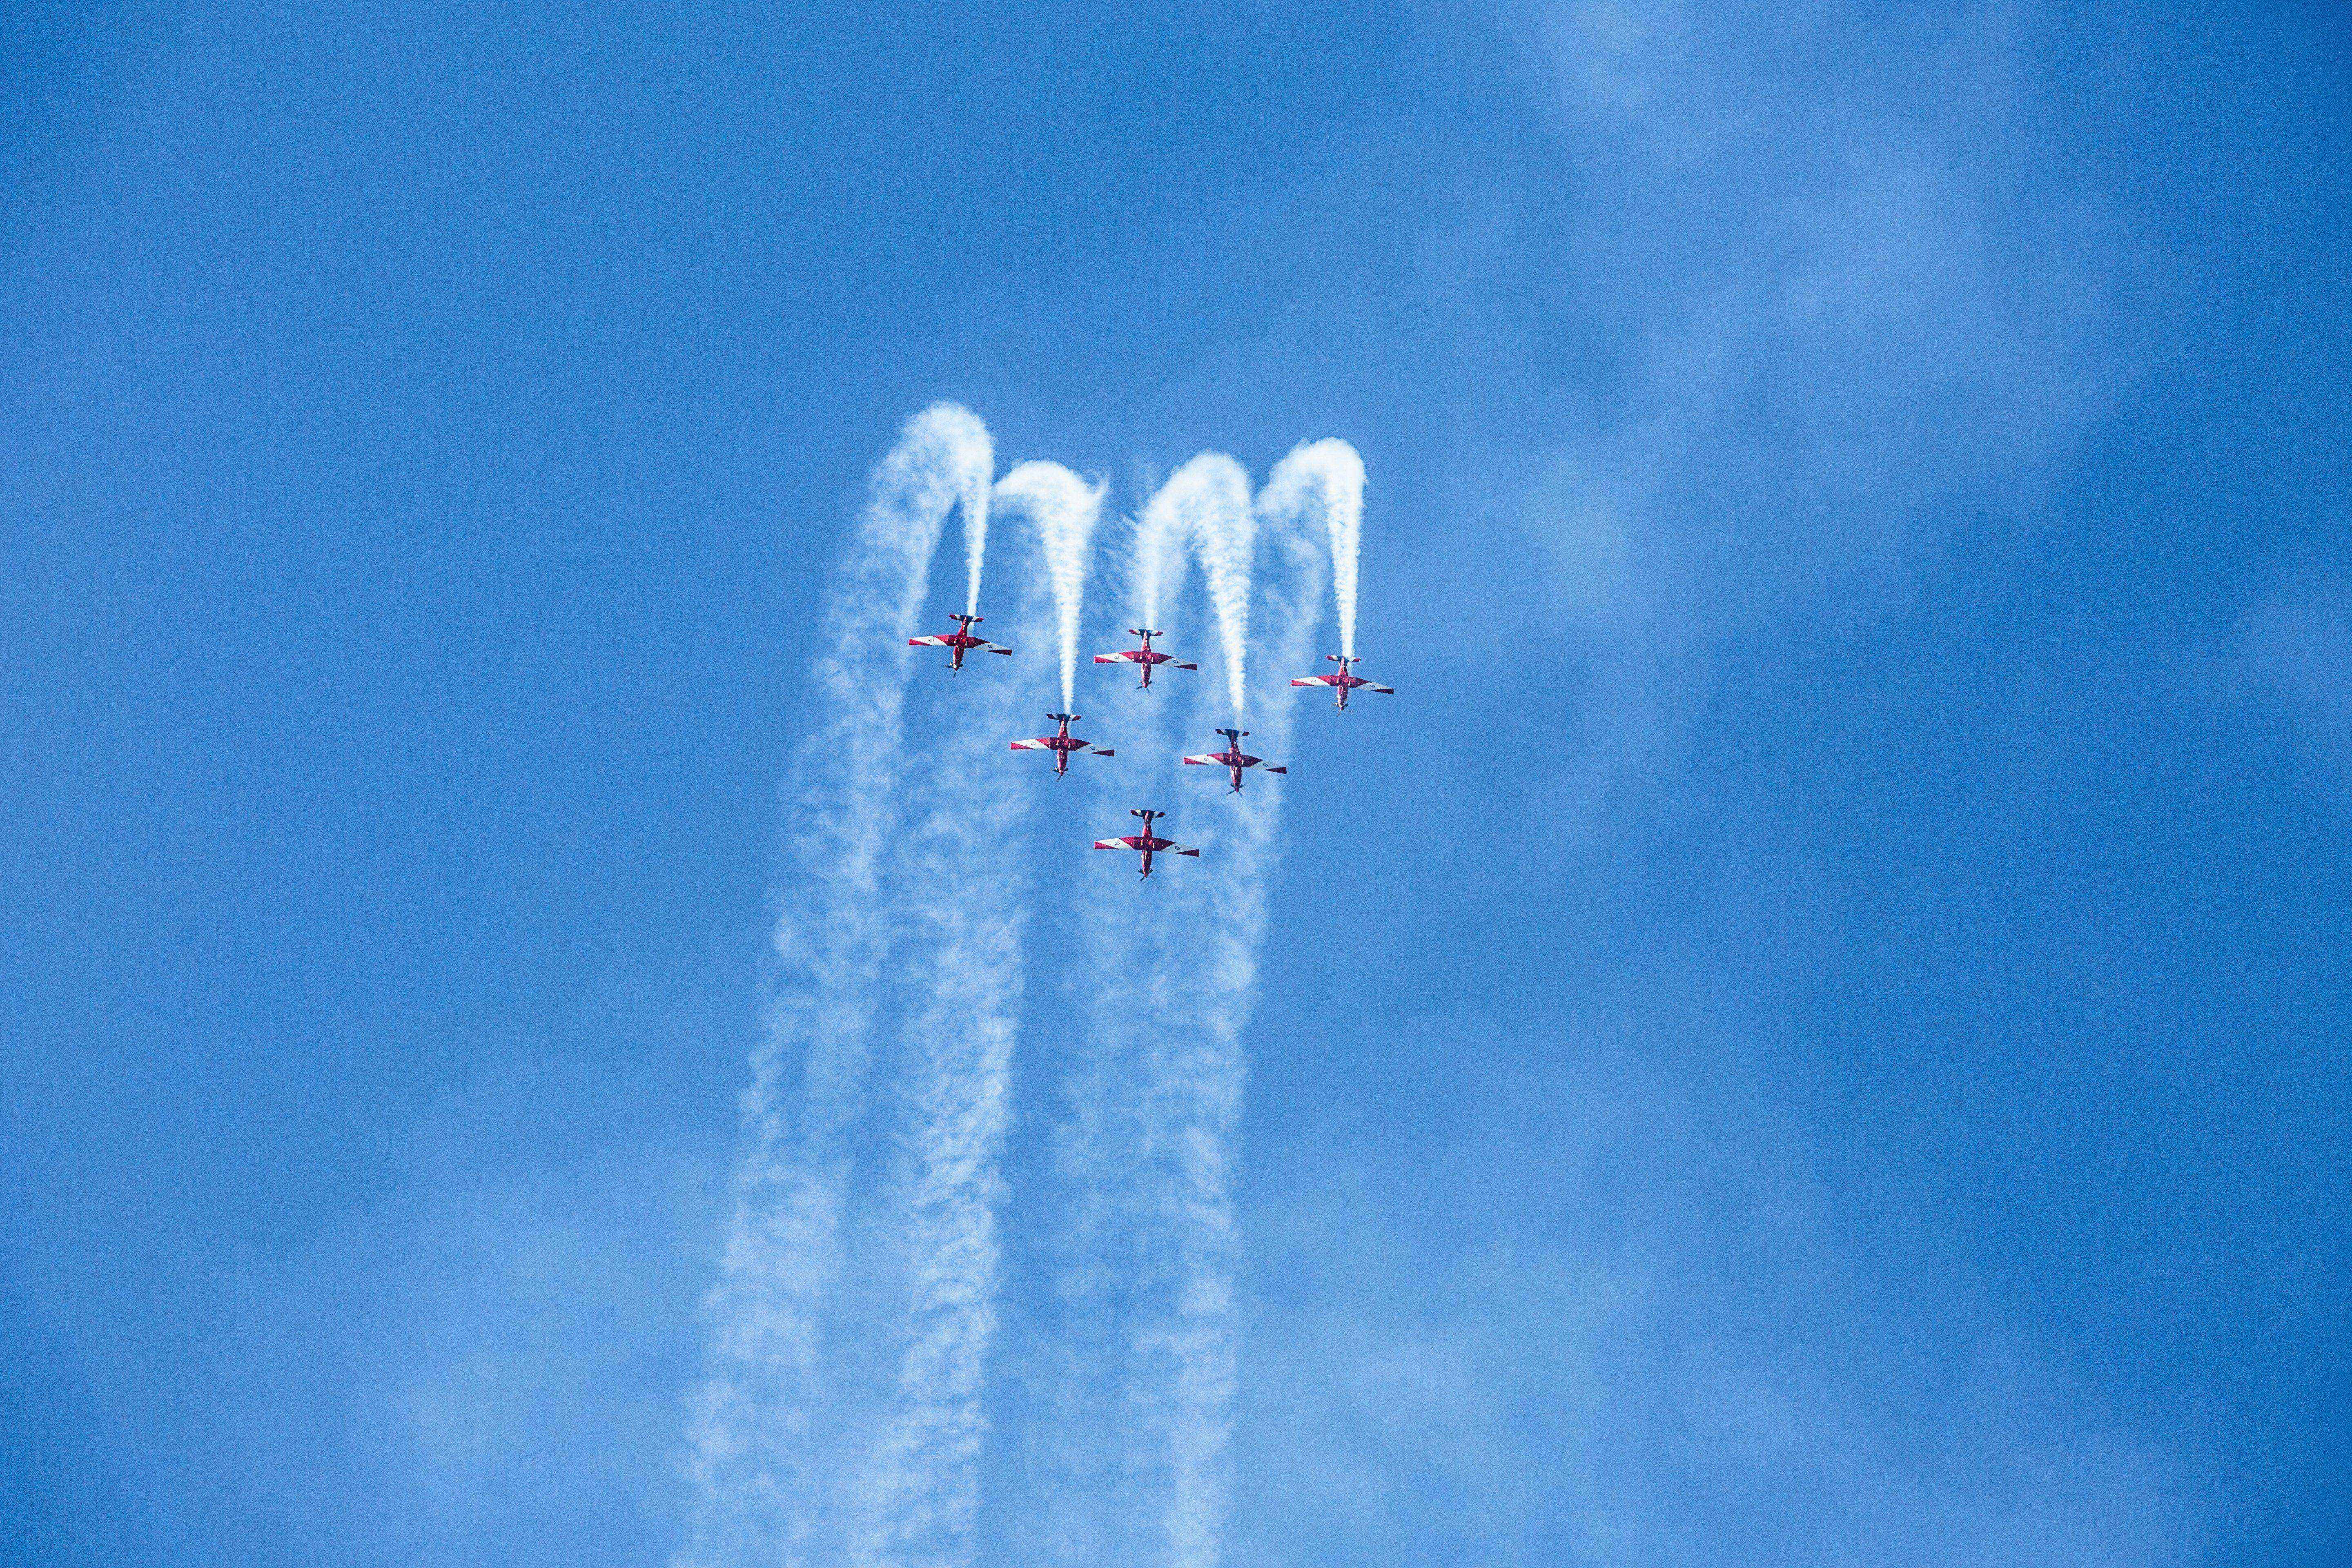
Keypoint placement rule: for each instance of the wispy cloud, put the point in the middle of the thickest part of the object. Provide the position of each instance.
(494, 1349)
(2293, 650)
(1848, 299)
(1594, 1325)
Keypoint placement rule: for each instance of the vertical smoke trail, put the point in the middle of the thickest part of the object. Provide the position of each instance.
(794, 1462)
(961, 885)
(1087, 1493)
(748, 1421)
(1064, 508)
(1134, 1384)
(1204, 506)
(1203, 989)
(975, 537)
(1342, 481)
(960, 895)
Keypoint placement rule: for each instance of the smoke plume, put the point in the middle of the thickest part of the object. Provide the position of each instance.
(1065, 508)
(749, 1455)
(1204, 510)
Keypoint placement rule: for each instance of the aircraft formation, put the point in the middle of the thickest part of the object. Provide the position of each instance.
(1146, 658)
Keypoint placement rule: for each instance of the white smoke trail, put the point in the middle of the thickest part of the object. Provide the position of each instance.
(1064, 508)
(1130, 1455)
(975, 537)
(1204, 507)
(1077, 1501)
(959, 884)
(789, 1470)
(1339, 474)
(748, 1421)
(1204, 990)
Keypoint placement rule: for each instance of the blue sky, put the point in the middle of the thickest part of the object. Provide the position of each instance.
(1811, 1030)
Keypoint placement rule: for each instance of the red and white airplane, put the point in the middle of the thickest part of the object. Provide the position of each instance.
(1147, 841)
(1145, 657)
(959, 640)
(1234, 759)
(1064, 745)
(1347, 681)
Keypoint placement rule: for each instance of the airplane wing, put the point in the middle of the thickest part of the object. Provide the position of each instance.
(1179, 850)
(992, 647)
(1179, 664)
(927, 642)
(1117, 844)
(1272, 768)
(1097, 751)
(1113, 658)
(1384, 691)
(1311, 680)
(1210, 759)
(1031, 746)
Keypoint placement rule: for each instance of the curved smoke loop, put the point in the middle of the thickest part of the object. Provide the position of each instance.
(1064, 508)
(1203, 507)
(748, 1424)
(814, 1437)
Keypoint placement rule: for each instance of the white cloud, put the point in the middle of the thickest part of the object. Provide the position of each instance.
(487, 1361)
(2293, 650)
(1588, 1325)
(1855, 306)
